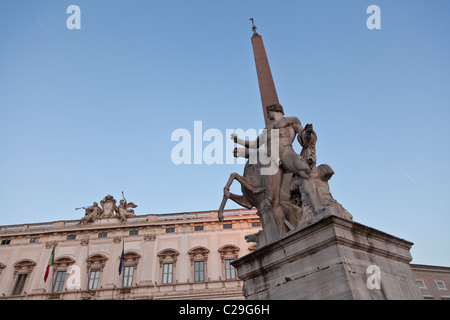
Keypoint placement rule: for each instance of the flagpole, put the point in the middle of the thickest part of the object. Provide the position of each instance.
(122, 255)
(49, 266)
(87, 263)
(121, 262)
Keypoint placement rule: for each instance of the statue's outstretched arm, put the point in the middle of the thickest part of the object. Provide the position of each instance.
(253, 144)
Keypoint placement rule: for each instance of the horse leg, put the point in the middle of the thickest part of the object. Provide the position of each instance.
(226, 195)
(244, 182)
(236, 198)
(240, 200)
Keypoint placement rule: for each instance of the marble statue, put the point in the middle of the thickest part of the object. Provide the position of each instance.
(282, 208)
(92, 213)
(123, 211)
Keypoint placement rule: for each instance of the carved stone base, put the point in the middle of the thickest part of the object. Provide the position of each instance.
(330, 259)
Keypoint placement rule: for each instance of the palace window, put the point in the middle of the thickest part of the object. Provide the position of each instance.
(230, 271)
(440, 284)
(228, 253)
(34, 240)
(228, 226)
(199, 271)
(5, 242)
(71, 237)
(199, 263)
(167, 276)
(60, 279)
(128, 276)
(167, 265)
(421, 284)
(134, 232)
(170, 230)
(103, 234)
(20, 283)
(95, 264)
(94, 275)
(21, 271)
(198, 228)
(129, 266)
(60, 267)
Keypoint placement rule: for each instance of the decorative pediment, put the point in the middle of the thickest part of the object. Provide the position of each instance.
(24, 265)
(131, 258)
(96, 260)
(229, 250)
(168, 255)
(63, 262)
(199, 253)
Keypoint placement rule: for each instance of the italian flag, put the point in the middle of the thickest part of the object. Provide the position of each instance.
(50, 264)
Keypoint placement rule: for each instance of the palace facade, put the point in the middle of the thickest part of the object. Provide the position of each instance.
(165, 256)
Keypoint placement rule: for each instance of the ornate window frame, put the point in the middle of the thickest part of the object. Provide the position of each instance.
(228, 251)
(95, 261)
(61, 264)
(199, 254)
(24, 266)
(130, 258)
(167, 256)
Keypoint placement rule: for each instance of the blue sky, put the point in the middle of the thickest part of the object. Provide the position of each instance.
(90, 112)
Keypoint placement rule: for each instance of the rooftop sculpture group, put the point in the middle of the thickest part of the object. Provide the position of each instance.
(108, 210)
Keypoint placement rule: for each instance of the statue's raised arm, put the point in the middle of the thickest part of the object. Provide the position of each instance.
(252, 144)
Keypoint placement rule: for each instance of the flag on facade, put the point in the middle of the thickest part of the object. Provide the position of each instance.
(121, 257)
(50, 264)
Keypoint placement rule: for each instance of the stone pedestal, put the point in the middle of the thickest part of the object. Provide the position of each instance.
(332, 258)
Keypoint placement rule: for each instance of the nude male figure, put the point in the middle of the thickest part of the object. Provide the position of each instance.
(289, 160)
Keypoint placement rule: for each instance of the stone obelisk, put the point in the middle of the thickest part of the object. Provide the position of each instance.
(267, 88)
(266, 84)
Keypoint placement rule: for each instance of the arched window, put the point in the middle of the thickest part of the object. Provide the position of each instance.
(129, 267)
(199, 263)
(60, 267)
(22, 270)
(167, 265)
(95, 265)
(228, 253)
